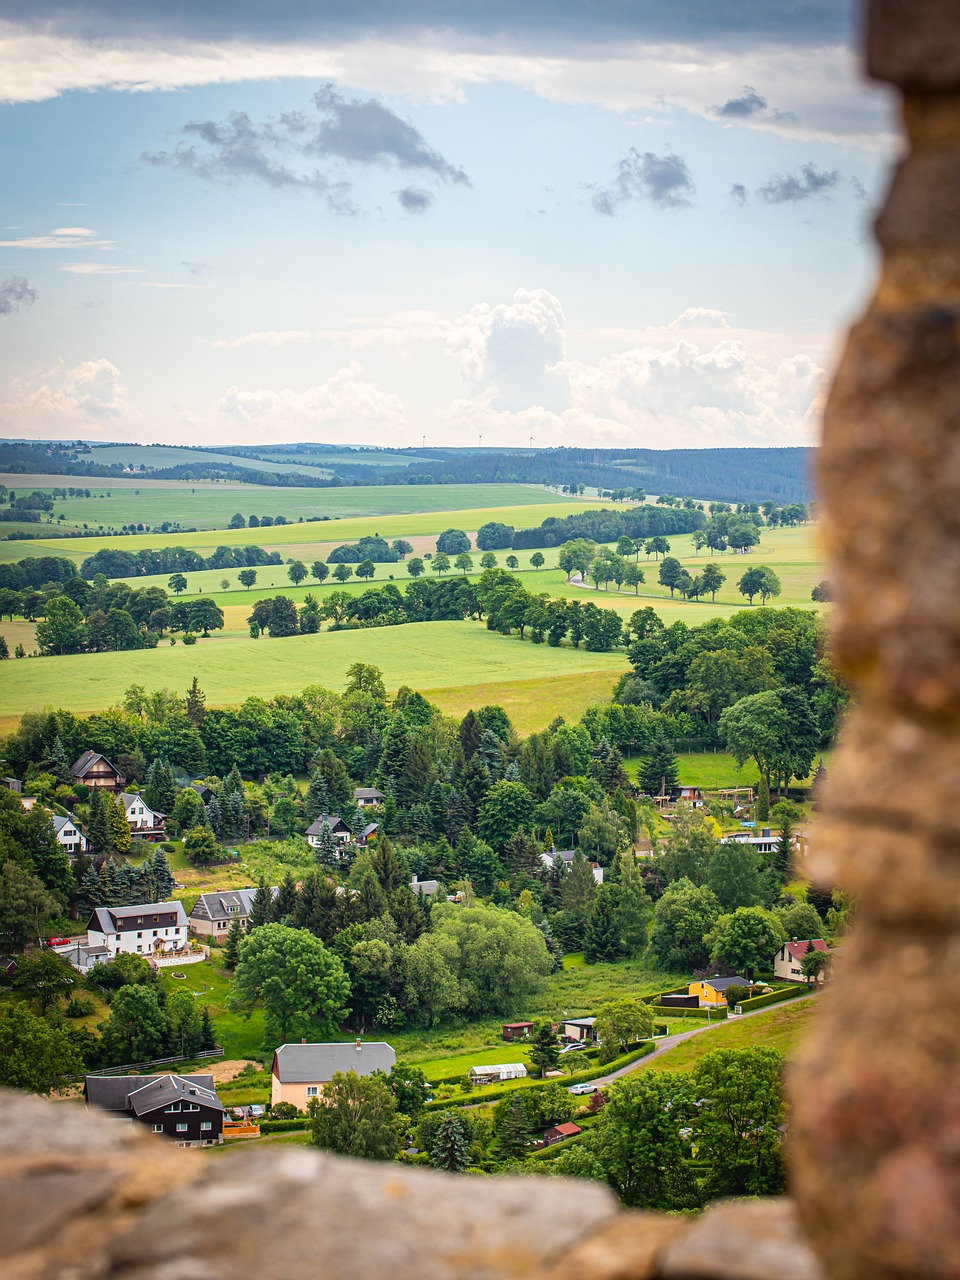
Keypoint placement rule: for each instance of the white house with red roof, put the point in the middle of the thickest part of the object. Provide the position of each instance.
(788, 962)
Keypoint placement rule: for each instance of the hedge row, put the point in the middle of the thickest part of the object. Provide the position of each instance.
(284, 1126)
(772, 997)
(720, 1011)
(578, 1077)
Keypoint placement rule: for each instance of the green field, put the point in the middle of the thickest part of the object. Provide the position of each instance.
(426, 656)
(780, 1029)
(205, 505)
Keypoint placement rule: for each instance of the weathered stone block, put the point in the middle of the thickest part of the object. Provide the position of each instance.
(915, 45)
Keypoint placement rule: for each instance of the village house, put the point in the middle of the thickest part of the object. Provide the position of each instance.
(711, 992)
(578, 1029)
(203, 791)
(429, 888)
(366, 796)
(183, 1108)
(12, 784)
(69, 836)
(151, 928)
(765, 842)
(338, 828)
(517, 1030)
(549, 856)
(214, 912)
(692, 796)
(82, 956)
(300, 1071)
(788, 962)
(144, 822)
(95, 770)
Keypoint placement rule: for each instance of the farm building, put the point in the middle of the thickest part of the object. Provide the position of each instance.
(517, 1030)
(504, 1071)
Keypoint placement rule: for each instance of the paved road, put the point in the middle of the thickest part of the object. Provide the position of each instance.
(671, 1042)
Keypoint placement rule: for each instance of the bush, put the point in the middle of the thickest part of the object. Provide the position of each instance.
(189, 638)
(773, 997)
(283, 1126)
(736, 995)
(284, 1111)
(79, 1007)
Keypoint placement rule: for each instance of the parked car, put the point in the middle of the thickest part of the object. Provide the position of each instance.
(256, 1111)
(58, 942)
(238, 1113)
(579, 1089)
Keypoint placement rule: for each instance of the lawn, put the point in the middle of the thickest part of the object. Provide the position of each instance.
(240, 1037)
(425, 656)
(780, 1029)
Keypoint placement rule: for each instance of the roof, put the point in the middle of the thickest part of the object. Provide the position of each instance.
(517, 1024)
(86, 762)
(59, 822)
(106, 919)
(721, 984)
(369, 829)
(331, 820)
(163, 1090)
(428, 887)
(130, 798)
(368, 793)
(569, 1129)
(217, 904)
(312, 1063)
(112, 1093)
(579, 1022)
(499, 1068)
(798, 948)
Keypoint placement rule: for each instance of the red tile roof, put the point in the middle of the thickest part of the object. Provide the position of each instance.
(798, 949)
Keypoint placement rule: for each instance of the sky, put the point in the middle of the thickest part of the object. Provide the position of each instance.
(627, 223)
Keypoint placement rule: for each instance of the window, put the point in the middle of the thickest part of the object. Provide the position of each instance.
(158, 1128)
(139, 935)
(206, 1124)
(174, 1106)
(311, 1090)
(182, 1127)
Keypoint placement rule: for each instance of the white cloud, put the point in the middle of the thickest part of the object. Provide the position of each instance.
(700, 318)
(347, 407)
(59, 238)
(262, 338)
(817, 89)
(86, 397)
(98, 269)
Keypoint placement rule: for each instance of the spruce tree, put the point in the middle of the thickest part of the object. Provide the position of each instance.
(602, 936)
(371, 899)
(196, 705)
(98, 823)
(339, 786)
(511, 1128)
(163, 875)
(317, 798)
(89, 893)
(119, 826)
(231, 946)
(261, 907)
(763, 800)
(285, 903)
(470, 734)
(450, 1148)
(59, 764)
(782, 859)
(544, 1048)
(208, 1036)
(388, 867)
(658, 769)
(317, 907)
(634, 909)
(407, 916)
(325, 851)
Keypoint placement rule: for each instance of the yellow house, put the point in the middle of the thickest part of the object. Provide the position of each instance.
(300, 1071)
(711, 992)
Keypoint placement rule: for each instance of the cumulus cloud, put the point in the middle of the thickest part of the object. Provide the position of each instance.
(513, 353)
(664, 181)
(807, 183)
(89, 396)
(700, 318)
(726, 392)
(278, 152)
(414, 200)
(15, 292)
(748, 104)
(347, 405)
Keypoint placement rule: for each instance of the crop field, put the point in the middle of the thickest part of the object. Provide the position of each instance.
(199, 505)
(426, 656)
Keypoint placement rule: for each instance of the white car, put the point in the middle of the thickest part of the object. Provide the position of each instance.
(584, 1088)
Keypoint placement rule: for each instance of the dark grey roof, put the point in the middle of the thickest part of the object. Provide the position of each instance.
(87, 760)
(428, 887)
(166, 1089)
(312, 1063)
(331, 820)
(721, 984)
(107, 919)
(368, 793)
(216, 905)
(112, 1093)
(579, 1022)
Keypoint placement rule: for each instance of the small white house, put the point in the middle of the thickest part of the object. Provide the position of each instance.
(338, 828)
(69, 836)
(143, 820)
(549, 856)
(366, 796)
(83, 957)
(504, 1071)
(151, 928)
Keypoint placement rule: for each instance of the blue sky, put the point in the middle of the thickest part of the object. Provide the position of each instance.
(635, 225)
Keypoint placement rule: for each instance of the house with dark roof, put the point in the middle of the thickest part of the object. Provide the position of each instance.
(12, 784)
(203, 791)
(429, 888)
(185, 1109)
(82, 956)
(145, 823)
(95, 770)
(338, 828)
(365, 796)
(68, 834)
(711, 992)
(300, 1071)
(214, 912)
(549, 856)
(151, 928)
(788, 962)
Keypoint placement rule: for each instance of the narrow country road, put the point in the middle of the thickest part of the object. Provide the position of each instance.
(670, 1042)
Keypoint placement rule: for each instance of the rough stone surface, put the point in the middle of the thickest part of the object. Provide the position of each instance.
(629, 1248)
(875, 1134)
(743, 1240)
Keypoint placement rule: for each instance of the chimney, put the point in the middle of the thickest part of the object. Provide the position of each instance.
(359, 1045)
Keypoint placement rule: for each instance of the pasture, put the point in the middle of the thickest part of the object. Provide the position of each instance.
(426, 656)
(210, 505)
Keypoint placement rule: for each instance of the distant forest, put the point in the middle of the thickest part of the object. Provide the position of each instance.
(726, 475)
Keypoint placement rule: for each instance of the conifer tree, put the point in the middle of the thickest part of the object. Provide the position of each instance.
(602, 936)
(407, 916)
(317, 798)
(208, 1037)
(339, 786)
(98, 823)
(763, 800)
(59, 764)
(325, 851)
(231, 946)
(119, 827)
(370, 896)
(658, 769)
(163, 876)
(511, 1128)
(782, 859)
(89, 893)
(261, 907)
(544, 1048)
(450, 1148)
(317, 907)
(634, 908)
(470, 734)
(285, 903)
(387, 867)
(196, 705)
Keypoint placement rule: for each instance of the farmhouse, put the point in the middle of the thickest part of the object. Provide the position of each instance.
(152, 928)
(578, 1029)
(504, 1071)
(69, 835)
(95, 770)
(144, 822)
(214, 912)
(300, 1071)
(788, 962)
(710, 992)
(184, 1108)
